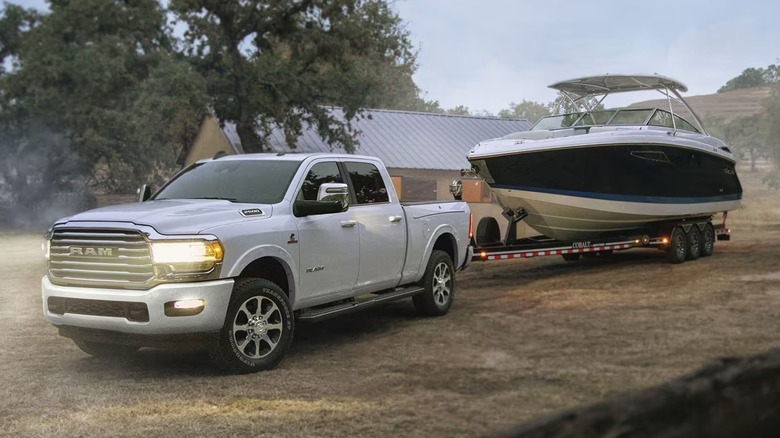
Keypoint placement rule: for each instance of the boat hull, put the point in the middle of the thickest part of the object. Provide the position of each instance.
(586, 192)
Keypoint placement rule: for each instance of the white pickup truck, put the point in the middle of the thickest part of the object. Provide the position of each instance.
(231, 251)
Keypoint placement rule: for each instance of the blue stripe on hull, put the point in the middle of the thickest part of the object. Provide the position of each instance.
(626, 198)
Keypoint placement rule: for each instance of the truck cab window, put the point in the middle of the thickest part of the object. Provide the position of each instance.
(320, 173)
(367, 183)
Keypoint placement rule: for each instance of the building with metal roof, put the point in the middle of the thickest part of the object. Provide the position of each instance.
(402, 139)
(422, 151)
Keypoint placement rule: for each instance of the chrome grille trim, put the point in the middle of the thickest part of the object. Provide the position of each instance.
(129, 263)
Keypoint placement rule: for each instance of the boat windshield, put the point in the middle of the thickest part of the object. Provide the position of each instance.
(556, 122)
(595, 118)
(619, 117)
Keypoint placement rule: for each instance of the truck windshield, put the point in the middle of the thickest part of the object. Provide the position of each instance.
(245, 181)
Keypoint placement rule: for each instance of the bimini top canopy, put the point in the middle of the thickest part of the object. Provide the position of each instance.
(608, 84)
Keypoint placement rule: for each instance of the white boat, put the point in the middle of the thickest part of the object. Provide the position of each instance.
(599, 172)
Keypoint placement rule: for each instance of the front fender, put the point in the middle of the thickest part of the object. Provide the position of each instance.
(274, 251)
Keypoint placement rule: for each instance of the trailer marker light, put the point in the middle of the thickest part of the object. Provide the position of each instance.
(664, 240)
(484, 254)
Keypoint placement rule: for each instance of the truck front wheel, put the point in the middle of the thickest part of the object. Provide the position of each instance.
(258, 328)
(439, 285)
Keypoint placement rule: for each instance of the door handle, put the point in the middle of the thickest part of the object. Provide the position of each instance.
(348, 224)
(396, 218)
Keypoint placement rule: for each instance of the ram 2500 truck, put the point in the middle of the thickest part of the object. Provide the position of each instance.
(231, 251)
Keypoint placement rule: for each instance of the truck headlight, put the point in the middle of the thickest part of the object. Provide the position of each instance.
(186, 259)
(46, 244)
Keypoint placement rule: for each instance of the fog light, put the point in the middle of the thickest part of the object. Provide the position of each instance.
(184, 307)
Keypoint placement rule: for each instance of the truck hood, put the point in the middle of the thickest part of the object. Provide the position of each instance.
(177, 216)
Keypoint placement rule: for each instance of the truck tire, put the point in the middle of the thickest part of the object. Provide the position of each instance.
(258, 328)
(99, 349)
(439, 285)
(694, 243)
(677, 251)
(707, 240)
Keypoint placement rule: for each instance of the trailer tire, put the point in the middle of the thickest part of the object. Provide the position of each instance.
(707, 240)
(99, 349)
(677, 251)
(258, 328)
(439, 285)
(694, 243)
(488, 231)
(571, 257)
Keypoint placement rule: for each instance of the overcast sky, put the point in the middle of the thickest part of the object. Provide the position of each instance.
(485, 54)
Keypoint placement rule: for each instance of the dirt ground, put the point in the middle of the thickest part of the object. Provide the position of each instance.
(525, 338)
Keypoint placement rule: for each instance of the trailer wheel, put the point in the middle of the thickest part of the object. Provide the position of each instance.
(694, 243)
(707, 240)
(258, 328)
(677, 250)
(439, 285)
(488, 231)
(571, 257)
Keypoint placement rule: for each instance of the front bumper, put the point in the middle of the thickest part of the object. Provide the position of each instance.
(215, 294)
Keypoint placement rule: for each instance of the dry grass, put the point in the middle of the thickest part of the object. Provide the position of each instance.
(525, 338)
(728, 105)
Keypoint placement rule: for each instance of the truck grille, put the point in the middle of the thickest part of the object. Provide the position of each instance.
(137, 312)
(107, 258)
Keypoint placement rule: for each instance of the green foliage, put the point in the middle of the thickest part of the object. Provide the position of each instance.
(743, 136)
(527, 109)
(770, 130)
(752, 78)
(459, 110)
(15, 22)
(563, 105)
(39, 176)
(101, 74)
(282, 62)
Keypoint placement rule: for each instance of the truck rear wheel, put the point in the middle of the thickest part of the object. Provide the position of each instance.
(677, 250)
(707, 240)
(99, 349)
(258, 328)
(439, 285)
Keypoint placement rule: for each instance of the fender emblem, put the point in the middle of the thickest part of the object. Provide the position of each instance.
(315, 269)
(292, 239)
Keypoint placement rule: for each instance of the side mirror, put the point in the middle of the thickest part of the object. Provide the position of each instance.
(334, 192)
(331, 198)
(312, 208)
(144, 192)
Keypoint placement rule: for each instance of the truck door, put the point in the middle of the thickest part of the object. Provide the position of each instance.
(329, 257)
(382, 228)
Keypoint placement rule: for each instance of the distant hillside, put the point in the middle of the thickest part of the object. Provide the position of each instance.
(728, 105)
